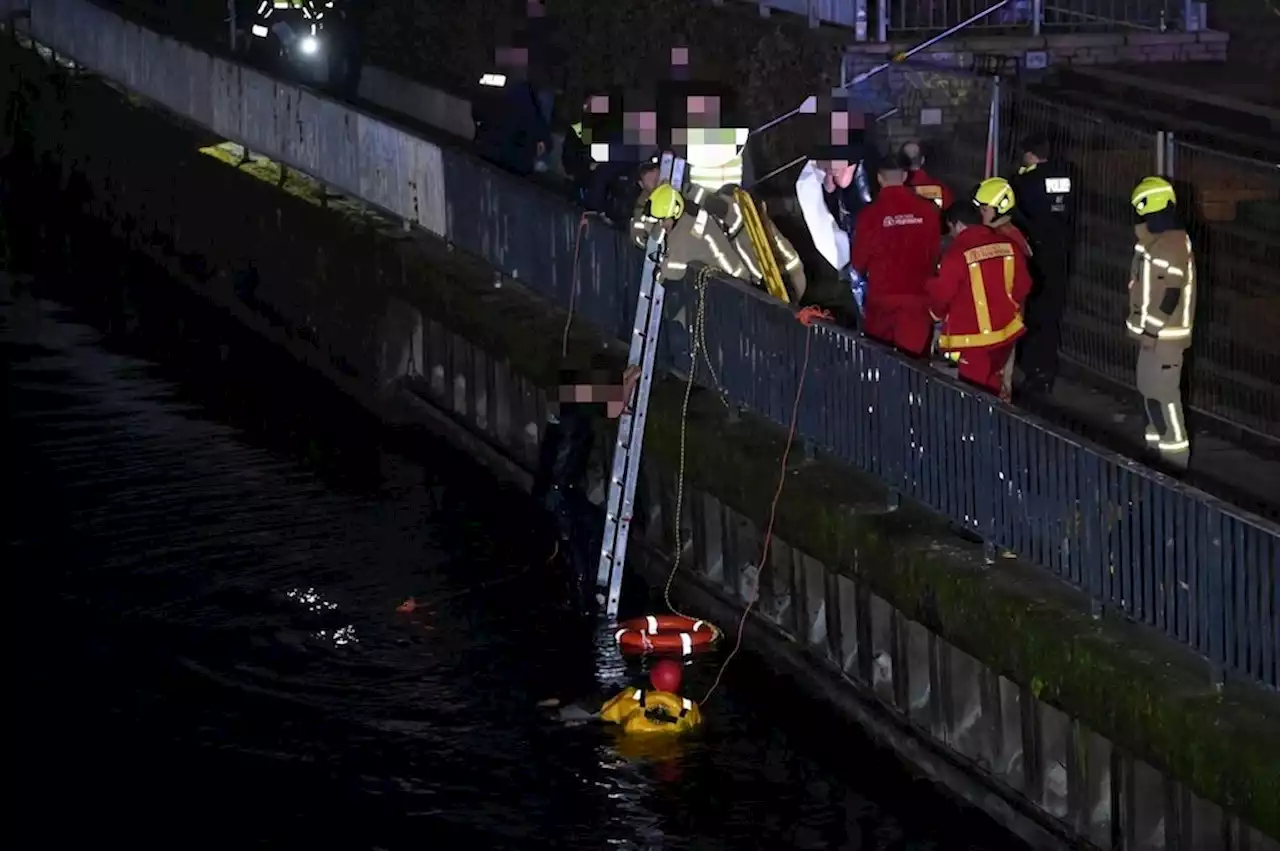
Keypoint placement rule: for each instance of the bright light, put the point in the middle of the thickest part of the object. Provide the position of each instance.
(310, 45)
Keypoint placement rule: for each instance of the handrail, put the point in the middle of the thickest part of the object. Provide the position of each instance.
(1198, 570)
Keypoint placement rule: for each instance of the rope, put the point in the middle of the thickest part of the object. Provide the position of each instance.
(806, 316)
(699, 339)
(574, 279)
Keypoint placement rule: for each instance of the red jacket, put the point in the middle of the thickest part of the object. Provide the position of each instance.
(895, 244)
(930, 189)
(979, 289)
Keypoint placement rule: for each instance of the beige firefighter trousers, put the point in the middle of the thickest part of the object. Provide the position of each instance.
(1160, 383)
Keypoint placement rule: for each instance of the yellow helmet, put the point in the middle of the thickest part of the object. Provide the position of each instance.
(995, 192)
(665, 202)
(1152, 195)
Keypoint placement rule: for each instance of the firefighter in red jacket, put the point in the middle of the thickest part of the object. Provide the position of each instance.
(895, 248)
(977, 295)
(925, 185)
(994, 198)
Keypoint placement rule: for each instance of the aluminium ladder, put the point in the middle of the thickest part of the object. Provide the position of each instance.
(625, 470)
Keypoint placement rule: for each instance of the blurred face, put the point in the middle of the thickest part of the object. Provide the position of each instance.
(988, 215)
(610, 395)
(649, 179)
(1029, 158)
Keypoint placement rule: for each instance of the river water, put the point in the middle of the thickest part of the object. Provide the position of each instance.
(205, 548)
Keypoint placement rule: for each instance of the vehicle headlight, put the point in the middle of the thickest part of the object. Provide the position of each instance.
(309, 45)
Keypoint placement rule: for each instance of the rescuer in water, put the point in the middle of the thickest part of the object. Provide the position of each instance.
(559, 486)
(658, 709)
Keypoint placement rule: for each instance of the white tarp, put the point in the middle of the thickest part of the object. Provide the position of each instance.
(829, 238)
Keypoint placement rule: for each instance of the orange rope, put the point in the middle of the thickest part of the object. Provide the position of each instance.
(806, 316)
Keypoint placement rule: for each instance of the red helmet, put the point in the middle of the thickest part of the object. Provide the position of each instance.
(665, 675)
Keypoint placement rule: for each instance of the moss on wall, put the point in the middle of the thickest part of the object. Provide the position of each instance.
(1123, 681)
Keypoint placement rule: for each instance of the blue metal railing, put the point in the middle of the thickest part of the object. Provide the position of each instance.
(1202, 572)
(1197, 569)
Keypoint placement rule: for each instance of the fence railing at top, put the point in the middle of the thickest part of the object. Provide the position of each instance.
(1200, 571)
(883, 20)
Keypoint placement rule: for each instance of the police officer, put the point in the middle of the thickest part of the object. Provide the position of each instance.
(1046, 214)
(1162, 303)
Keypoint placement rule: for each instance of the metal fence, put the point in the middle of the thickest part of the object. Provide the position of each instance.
(882, 20)
(1200, 571)
(1233, 210)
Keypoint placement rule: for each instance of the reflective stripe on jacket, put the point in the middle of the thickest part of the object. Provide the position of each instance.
(979, 289)
(1162, 285)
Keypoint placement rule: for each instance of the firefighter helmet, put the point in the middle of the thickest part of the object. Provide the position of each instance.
(995, 192)
(1152, 195)
(665, 202)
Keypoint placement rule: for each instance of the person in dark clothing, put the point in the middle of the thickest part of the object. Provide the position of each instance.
(559, 486)
(510, 128)
(345, 59)
(1046, 215)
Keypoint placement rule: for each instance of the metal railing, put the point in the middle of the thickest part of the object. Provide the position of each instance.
(885, 20)
(1194, 568)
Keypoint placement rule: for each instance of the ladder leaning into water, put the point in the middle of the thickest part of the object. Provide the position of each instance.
(625, 470)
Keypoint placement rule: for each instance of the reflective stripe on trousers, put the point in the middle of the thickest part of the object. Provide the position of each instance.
(1159, 380)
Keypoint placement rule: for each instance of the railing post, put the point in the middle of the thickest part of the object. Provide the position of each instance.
(1161, 151)
(1037, 16)
(993, 130)
(231, 24)
(882, 21)
(1170, 154)
(859, 22)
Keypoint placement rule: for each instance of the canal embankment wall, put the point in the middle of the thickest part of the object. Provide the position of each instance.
(1066, 725)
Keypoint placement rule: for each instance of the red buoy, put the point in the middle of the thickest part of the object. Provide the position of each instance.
(666, 634)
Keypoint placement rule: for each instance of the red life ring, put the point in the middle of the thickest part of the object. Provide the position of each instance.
(665, 634)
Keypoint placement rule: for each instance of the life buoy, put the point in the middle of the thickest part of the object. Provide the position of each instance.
(665, 634)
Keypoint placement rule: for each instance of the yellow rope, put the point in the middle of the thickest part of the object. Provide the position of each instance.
(697, 346)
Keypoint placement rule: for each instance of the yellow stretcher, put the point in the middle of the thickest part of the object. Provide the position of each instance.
(763, 246)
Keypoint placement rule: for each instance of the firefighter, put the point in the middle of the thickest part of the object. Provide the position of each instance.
(977, 295)
(1046, 214)
(692, 234)
(925, 186)
(996, 201)
(1162, 303)
(895, 248)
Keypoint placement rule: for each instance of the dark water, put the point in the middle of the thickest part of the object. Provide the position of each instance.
(204, 548)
